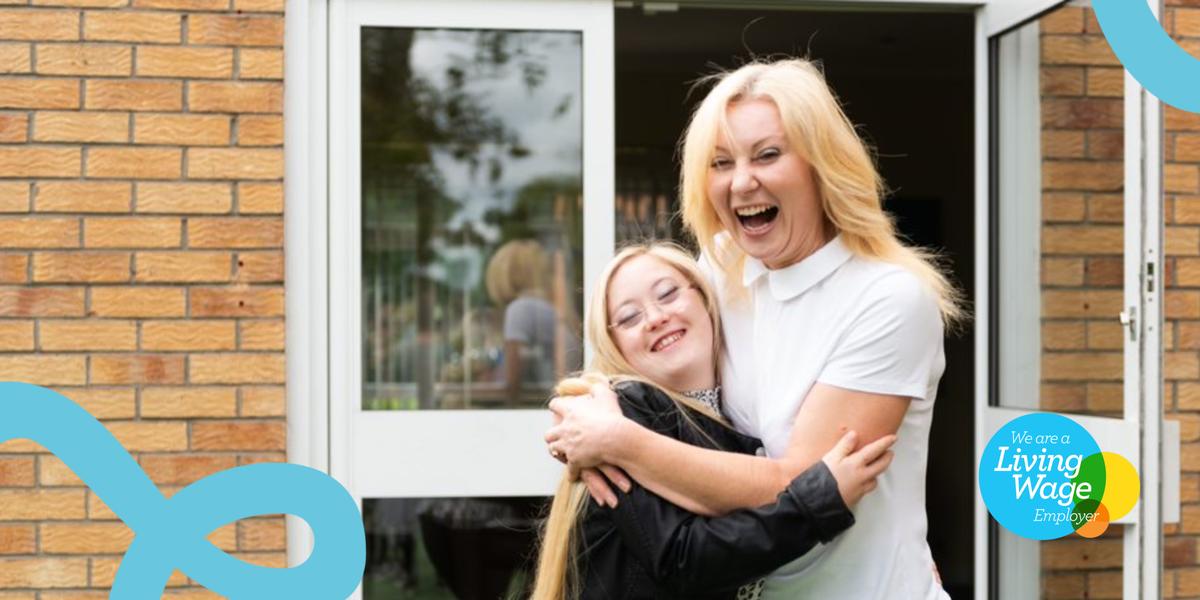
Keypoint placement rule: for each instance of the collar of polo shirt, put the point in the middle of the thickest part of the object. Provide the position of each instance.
(791, 281)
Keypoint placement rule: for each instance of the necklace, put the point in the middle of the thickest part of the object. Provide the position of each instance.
(710, 397)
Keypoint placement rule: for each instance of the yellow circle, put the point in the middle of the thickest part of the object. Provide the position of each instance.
(1122, 486)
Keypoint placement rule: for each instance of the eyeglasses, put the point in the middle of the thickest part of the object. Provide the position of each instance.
(630, 316)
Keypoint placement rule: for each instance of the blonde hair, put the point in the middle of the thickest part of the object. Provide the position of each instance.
(848, 182)
(518, 267)
(557, 572)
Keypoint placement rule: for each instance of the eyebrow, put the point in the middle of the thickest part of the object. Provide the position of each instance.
(770, 138)
(652, 286)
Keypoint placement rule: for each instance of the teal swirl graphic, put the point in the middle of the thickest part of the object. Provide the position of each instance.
(170, 533)
(1150, 55)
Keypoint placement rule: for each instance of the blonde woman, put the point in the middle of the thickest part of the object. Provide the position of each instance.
(654, 324)
(830, 323)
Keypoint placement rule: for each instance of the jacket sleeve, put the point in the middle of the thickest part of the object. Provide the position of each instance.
(690, 555)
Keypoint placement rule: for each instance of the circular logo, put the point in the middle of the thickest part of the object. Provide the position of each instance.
(1042, 476)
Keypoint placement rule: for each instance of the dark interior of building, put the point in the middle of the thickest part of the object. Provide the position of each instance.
(906, 79)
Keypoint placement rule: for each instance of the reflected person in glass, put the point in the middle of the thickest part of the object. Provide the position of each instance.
(653, 320)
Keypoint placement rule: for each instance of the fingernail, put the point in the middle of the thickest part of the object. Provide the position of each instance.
(613, 500)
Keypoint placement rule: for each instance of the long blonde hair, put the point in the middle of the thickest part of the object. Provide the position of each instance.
(557, 570)
(849, 184)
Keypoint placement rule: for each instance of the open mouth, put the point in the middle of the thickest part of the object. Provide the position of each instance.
(756, 218)
(668, 340)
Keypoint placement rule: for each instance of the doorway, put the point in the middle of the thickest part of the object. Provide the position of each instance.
(907, 80)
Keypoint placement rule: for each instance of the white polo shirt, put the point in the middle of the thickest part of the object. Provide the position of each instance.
(858, 324)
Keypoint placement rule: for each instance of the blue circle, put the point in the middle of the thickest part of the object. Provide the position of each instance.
(1026, 473)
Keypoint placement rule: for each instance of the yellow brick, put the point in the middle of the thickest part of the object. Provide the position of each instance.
(142, 436)
(260, 198)
(99, 511)
(262, 335)
(235, 97)
(39, 93)
(84, 59)
(135, 163)
(260, 130)
(259, 5)
(81, 267)
(182, 129)
(191, 198)
(103, 403)
(1090, 366)
(236, 368)
(1082, 175)
(132, 232)
(184, 469)
(41, 302)
(262, 534)
(15, 58)
(17, 472)
(88, 335)
(51, 126)
(1062, 144)
(127, 26)
(107, 94)
(1106, 208)
(1187, 22)
(1182, 241)
(260, 64)
(183, 4)
(17, 539)
(14, 268)
(83, 196)
(184, 267)
(145, 302)
(14, 128)
(39, 25)
(1064, 335)
(273, 560)
(187, 402)
(1181, 305)
(1062, 81)
(1106, 81)
(16, 336)
(40, 161)
(104, 572)
(1079, 553)
(235, 30)
(264, 401)
(83, 3)
(1181, 365)
(53, 472)
(43, 573)
(1081, 303)
(259, 267)
(238, 435)
(188, 335)
(85, 538)
(1105, 335)
(234, 163)
(1077, 50)
(1187, 148)
(50, 505)
(124, 369)
(25, 232)
(1094, 239)
(237, 302)
(183, 61)
(238, 232)
(1181, 179)
(1105, 397)
(14, 197)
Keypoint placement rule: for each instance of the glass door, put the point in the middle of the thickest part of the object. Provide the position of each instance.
(471, 204)
(1070, 321)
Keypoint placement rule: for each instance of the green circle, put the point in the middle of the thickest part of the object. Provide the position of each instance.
(1091, 470)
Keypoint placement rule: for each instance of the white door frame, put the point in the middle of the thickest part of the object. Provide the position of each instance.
(1139, 435)
(311, 262)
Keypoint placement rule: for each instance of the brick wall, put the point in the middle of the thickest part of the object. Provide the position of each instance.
(141, 262)
(1181, 334)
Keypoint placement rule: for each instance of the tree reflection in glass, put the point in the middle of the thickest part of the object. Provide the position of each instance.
(471, 142)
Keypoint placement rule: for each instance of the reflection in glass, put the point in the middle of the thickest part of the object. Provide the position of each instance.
(472, 216)
(450, 548)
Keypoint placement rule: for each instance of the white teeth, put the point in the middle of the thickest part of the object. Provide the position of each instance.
(750, 211)
(667, 341)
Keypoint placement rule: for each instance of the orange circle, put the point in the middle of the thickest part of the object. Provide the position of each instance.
(1098, 524)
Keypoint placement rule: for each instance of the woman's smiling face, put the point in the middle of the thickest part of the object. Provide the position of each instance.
(763, 191)
(660, 324)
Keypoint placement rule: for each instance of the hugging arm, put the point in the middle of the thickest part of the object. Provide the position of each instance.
(689, 554)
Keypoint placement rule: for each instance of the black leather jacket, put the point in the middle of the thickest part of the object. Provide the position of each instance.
(649, 548)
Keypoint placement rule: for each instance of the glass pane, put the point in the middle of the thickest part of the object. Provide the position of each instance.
(450, 548)
(472, 174)
(1060, 245)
